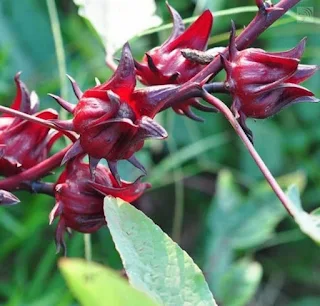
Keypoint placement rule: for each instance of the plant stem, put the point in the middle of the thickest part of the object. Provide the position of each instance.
(25, 116)
(46, 123)
(110, 62)
(36, 187)
(215, 87)
(61, 59)
(255, 155)
(32, 174)
(87, 247)
(179, 187)
(41, 187)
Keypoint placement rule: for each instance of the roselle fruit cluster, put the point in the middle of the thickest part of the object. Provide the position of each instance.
(166, 64)
(263, 83)
(112, 120)
(23, 144)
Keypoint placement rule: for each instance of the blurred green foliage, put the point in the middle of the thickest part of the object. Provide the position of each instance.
(87, 281)
(287, 142)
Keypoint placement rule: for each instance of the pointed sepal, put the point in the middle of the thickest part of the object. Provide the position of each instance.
(7, 198)
(63, 124)
(93, 163)
(149, 128)
(65, 104)
(74, 151)
(55, 212)
(123, 80)
(295, 52)
(190, 114)
(135, 162)
(178, 25)
(151, 64)
(76, 89)
(232, 42)
(114, 170)
(128, 191)
(303, 73)
(195, 36)
(59, 238)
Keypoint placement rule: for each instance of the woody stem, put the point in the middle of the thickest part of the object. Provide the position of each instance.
(255, 155)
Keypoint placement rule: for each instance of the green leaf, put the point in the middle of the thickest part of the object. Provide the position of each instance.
(153, 262)
(262, 211)
(308, 223)
(235, 222)
(93, 284)
(242, 279)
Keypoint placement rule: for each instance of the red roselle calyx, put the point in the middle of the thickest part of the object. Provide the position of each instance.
(166, 64)
(79, 200)
(114, 119)
(263, 83)
(24, 144)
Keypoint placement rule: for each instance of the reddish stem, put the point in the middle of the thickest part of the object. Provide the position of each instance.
(34, 173)
(71, 135)
(255, 155)
(34, 119)
(259, 3)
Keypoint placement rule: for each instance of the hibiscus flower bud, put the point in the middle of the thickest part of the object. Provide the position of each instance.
(23, 143)
(263, 83)
(79, 200)
(166, 64)
(114, 119)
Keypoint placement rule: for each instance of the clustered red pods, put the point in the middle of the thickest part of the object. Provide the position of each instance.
(112, 120)
(116, 115)
(166, 64)
(24, 144)
(263, 83)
